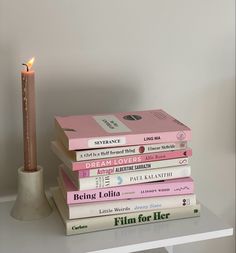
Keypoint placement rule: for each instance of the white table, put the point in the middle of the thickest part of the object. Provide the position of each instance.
(47, 235)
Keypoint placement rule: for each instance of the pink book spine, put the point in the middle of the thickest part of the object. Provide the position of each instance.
(117, 161)
(135, 139)
(166, 188)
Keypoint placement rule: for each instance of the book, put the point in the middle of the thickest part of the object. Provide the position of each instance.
(119, 129)
(61, 153)
(136, 177)
(155, 189)
(75, 211)
(101, 153)
(85, 225)
(132, 167)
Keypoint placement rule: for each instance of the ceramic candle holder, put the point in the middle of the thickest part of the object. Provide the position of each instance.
(31, 202)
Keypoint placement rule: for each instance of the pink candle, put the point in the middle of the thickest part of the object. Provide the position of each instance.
(29, 119)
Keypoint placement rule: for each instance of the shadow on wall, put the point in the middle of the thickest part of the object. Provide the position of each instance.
(60, 97)
(73, 96)
(11, 149)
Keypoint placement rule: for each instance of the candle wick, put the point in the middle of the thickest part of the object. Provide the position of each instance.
(27, 68)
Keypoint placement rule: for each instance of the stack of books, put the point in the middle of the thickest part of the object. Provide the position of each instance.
(122, 169)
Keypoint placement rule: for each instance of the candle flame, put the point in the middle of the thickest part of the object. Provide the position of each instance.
(30, 63)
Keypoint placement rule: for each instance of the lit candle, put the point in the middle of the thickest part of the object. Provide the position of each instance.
(29, 121)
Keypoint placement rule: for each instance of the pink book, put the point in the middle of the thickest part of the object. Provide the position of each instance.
(119, 129)
(66, 157)
(164, 188)
(101, 163)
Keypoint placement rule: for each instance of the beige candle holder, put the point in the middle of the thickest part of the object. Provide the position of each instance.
(31, 202)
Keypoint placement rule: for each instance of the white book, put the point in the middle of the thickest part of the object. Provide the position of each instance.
(128, 178)
(129, 206)
(133, 167)
(91, 154)
(85, 225)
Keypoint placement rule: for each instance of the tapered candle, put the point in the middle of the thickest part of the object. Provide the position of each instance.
(29, 119)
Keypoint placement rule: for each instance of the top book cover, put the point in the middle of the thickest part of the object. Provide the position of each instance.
(119, 129)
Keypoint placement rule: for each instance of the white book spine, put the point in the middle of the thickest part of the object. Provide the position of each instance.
(85, 225)
(129, 206)
(138, 167)
(136, 177)
(79, 226)
(84, 155)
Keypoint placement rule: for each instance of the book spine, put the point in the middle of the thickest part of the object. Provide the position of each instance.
(132, 167)
(86, 225)
(85, 155)
(129, 206)
(165, 188)
(128, 140)
(101, 163)
(134, 177)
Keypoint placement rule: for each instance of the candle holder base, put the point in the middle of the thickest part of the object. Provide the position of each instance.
(31, 202)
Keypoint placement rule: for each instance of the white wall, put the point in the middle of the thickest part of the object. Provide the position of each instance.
(113, 55)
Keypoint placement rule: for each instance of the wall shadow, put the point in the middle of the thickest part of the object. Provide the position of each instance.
(73, 96)
(11, 149)
(57, 95)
